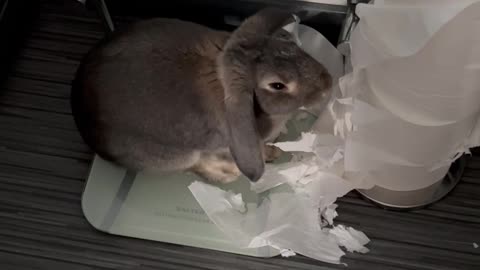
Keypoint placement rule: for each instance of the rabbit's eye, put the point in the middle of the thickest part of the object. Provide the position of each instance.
(277, 86)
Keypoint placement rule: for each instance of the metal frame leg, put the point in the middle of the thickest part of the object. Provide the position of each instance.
(102, 11)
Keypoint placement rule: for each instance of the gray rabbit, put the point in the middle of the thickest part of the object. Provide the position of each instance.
(171, 95)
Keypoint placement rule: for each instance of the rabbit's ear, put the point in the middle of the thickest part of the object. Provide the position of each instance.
(259, 27)
(236, 70)
(245, 142)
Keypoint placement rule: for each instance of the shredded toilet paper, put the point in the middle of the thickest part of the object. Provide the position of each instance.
(328, 214)
(285, 220)
(305, 144)
(296, 214)
(236, 201)
(287, 253)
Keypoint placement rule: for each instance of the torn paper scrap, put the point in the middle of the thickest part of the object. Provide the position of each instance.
(287, 253)
(329, 155)
(324, 188)
(260, 242)
(351, 239)
(329, 214)
(298, 171)
(233, 223)
(271, 178)
(327, 148)
(305, 144)
(313, 244)
(289, 172)
(236, 201)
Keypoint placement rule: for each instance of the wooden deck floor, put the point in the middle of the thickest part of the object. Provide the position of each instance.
(43, 164)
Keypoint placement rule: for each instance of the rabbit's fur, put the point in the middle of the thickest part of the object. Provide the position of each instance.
(167, 95)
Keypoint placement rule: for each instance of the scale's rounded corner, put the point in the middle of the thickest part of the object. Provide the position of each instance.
(88, 216)
(91, 207)
(87, 211)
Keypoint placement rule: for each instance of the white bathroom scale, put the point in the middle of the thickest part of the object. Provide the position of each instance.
(160, 207)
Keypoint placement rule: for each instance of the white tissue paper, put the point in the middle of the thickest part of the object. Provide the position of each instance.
(407, 110)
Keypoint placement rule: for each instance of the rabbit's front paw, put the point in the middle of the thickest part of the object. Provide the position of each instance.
(217, 168)
(271, 153)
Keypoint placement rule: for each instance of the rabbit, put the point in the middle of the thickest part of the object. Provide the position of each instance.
(171, 95)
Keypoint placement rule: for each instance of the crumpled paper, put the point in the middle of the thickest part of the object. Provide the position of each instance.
(290, 216)
(296, 213)
(406, 112)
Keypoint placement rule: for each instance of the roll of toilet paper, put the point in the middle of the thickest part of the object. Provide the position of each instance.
(411, 102)
(406, 178)
(422, 63)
